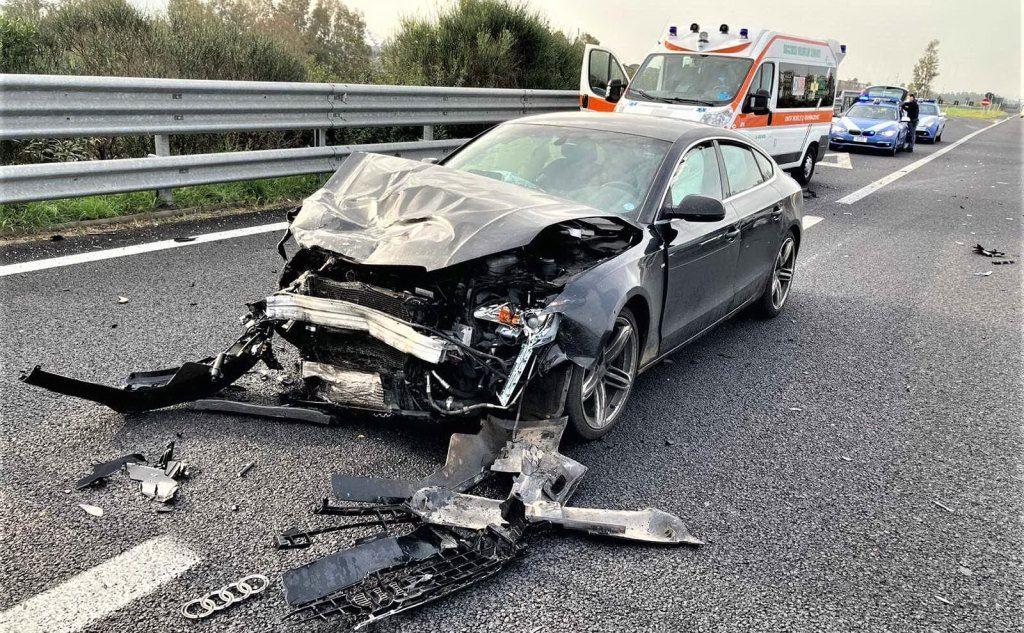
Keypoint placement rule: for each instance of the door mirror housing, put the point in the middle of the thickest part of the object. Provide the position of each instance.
(615, 90)
(756, 103)
(695, 208)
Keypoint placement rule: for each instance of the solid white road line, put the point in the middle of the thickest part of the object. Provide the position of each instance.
(811, 220)
(95, 256)
(73, 605)
(881, 182)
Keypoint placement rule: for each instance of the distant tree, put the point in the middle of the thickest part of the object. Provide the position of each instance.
(483, 43)
(925, 71)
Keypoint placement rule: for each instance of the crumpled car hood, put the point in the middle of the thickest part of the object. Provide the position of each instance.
(384, 210)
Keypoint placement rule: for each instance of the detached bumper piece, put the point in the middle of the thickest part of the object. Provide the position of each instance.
(145, 391)
(457, 538)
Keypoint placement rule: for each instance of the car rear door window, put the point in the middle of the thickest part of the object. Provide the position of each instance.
(741, 168)
(698, 174)
(767, 170)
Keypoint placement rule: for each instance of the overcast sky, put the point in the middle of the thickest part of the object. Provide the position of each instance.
(980, 46)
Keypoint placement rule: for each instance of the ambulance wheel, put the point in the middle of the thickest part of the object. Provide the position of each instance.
(803, 173)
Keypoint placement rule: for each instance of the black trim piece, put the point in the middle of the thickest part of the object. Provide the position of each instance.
(782, 159)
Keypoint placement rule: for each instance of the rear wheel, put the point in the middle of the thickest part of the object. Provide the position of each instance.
(598, 394)
(803, 173)
(776, 290)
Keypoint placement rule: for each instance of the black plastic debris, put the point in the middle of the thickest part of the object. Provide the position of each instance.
(101, 471)
(981, 250)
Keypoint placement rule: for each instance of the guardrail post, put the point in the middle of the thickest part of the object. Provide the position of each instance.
(162, 147)
(320, 137)
(428, 132)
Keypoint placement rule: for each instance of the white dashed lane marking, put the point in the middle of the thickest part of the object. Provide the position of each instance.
(93, 594)
(811, 220)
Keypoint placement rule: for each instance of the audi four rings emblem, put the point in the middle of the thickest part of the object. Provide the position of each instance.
(224, 597)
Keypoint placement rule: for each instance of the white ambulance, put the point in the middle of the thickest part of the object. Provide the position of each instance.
(777, 89)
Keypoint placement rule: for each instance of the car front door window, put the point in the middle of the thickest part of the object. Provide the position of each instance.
(698, 174)
(740, 168)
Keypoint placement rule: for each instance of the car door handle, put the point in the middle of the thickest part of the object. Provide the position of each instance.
(732, 233)
(777, 212)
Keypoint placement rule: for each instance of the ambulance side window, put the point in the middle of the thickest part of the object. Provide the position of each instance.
(598, 69)
(806, 86)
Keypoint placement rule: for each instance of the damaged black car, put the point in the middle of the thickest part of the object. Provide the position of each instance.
(533, 273)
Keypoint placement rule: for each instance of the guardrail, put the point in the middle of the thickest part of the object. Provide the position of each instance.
(54, 106)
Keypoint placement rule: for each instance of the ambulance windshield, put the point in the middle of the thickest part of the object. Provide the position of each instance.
(709, 80)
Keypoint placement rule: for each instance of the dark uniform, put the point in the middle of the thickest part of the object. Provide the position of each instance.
(910, 107)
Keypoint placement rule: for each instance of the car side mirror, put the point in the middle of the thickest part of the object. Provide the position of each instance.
(756, 104)
(615, 90)
(695, 208)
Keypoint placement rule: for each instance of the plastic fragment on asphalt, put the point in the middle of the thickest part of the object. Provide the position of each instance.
(101, 471)
(942, 600)
(943, 506)
(246, 469)
(96, 511)
(122, 299)
(981, 250)
(998, 262)
(965, 571)
(984, 274)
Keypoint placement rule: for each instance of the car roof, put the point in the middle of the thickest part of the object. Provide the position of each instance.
(661, 128)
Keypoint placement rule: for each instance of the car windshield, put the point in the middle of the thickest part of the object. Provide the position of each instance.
(605, 170)
(886, 91)
(709, 80)
(928, 108)
(882, 113)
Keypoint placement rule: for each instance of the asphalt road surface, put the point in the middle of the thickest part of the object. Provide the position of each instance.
(854, 465)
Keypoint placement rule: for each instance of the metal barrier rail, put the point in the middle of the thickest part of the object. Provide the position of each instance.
(28, 183)
(57, 106)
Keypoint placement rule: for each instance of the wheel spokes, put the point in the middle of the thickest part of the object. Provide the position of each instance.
(618, 342)
(600, 405)
(617, 378)
(787, 250)
(784, 274)
(590, 380)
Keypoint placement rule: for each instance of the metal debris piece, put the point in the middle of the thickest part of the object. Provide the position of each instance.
(461, 538)
(983, 274)
(122, 299)
(101, 471)
(943, 506)
(381, 516)
(1002, 262)
(158, 483)
(224, 597)
(245, 469)
(96, 511)
(981, 250)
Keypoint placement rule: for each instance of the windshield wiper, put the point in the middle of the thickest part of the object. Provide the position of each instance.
(686, 100)
(643, 93)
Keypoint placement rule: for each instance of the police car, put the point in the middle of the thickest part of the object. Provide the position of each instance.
(872, 122)
(931, 121)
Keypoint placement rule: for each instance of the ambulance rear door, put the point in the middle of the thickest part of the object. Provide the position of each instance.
(601, 69)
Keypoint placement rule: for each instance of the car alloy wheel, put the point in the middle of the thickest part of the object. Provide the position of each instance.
(606, 384)
(782, 273)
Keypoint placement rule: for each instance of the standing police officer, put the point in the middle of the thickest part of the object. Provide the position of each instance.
(911, 108)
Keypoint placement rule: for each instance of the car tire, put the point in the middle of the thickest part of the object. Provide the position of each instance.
(938, 138)
(597, 395)
(780, 280)
(805, 171)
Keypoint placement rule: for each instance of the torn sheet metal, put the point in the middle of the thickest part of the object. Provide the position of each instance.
(276, 412)
(101, 471)
(344, 315)
(393, 211)
(651, 525)
(440, 506)
(355, 388)
(159, 482)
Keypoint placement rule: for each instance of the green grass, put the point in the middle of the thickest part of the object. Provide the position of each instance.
(966, 113)
(37, 216)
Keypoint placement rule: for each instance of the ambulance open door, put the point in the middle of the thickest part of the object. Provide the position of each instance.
(602, 79)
